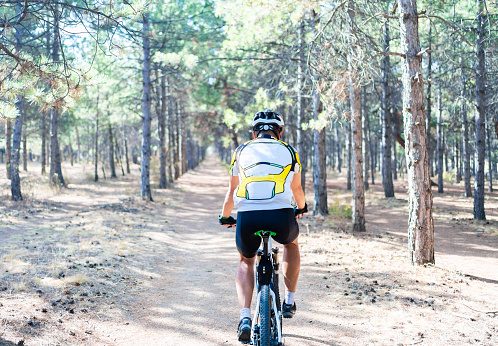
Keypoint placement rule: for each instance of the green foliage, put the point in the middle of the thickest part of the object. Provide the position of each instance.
(8, 110)
(339, 210)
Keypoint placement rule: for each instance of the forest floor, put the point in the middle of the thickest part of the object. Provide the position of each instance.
(95, 265)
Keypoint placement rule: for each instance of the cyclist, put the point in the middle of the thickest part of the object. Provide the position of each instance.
(265, 174)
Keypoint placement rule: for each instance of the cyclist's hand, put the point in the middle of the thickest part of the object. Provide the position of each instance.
(299, 212)
(227, 221)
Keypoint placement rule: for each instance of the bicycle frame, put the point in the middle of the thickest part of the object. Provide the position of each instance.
(267, 266)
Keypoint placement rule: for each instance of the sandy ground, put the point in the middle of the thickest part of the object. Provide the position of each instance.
(95, 265)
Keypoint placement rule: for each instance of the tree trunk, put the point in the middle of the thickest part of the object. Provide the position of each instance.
(171, 136)
(15, 180)
(24, 148)
(163, 181)
(439, 144)
(301, 149)
(78, 143)
(429, 103)
(96, 144)
(387, 175)
(8, 146)
(365, 139)
(395, 161)
(458, 176)
(349, 153)
(480, 146)
(319, 160)
(169, 132)
(420, 221)
(358, 206)
(55, 157)
(465, 139)
(43, 144)
(331, 150)
(56, 177)
(111, 151)
(126, 154)
(338, 146)
(490, 161)
(370, 147)
(319, 163)
(71, 153)
(146, 113)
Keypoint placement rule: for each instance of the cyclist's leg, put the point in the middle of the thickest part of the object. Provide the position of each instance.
(291, 264)
(247, 245)
(244, 281)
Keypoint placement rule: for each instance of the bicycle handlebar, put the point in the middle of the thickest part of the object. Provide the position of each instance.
(301, 211)
(227, 220)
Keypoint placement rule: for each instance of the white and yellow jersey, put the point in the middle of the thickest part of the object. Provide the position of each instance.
(265, 167)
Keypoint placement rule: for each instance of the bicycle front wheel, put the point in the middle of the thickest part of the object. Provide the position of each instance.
(265, 316)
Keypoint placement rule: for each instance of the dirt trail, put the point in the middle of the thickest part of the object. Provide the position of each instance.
(92, 265)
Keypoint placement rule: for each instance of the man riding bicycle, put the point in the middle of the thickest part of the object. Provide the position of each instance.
(265, 174)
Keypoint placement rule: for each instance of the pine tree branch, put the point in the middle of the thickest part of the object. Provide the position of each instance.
(390, 53)
(422, 14)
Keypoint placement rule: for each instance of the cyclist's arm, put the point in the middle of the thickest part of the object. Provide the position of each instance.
(228, 204)
(297, 190)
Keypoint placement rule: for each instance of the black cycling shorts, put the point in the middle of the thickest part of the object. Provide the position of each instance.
(281, 221)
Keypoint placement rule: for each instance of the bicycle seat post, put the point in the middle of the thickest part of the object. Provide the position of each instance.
(265, 237)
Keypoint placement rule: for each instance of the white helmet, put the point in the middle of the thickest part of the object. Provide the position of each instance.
(267, 120)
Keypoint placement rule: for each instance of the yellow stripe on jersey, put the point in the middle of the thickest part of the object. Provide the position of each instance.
(278, 179)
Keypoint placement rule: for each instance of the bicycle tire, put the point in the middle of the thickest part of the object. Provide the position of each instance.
(265, 316)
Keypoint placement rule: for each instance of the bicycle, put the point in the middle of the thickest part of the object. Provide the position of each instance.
(267, 321)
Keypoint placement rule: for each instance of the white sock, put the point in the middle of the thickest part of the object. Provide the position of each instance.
(245, 312)
(289, 298)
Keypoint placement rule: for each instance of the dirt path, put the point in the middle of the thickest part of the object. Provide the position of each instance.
(94, 265)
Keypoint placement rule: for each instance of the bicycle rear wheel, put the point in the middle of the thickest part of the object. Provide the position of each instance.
(265, 316)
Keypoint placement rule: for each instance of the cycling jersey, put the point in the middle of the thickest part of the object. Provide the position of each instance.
(265, 167)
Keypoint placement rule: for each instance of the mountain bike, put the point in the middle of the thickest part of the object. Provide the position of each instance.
(267, 321)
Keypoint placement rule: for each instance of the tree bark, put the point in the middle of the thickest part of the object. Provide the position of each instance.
(420, 221)
(395, 161)
(301, 149)
(358, 206)
(429, 103)
(146, 112)
(365, 139)
(111, 151)
(78, 144)
(465, 139)
(8, 146)
(126, 154)
(338, 146)
(56, 176)
(387, 176)
(24, 148)
(319, 161)
(439, 144)
(480, 146)
(490, 161)
(458, 176)
(15, 180)
(163, 181)
(96, 144)
(43, 144)
(349, 153)
(358, 203)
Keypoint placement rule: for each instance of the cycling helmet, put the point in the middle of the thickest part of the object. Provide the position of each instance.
(268, 120)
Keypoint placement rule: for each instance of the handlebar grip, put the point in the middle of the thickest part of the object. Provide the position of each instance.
(301, 211)
(227, 220)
